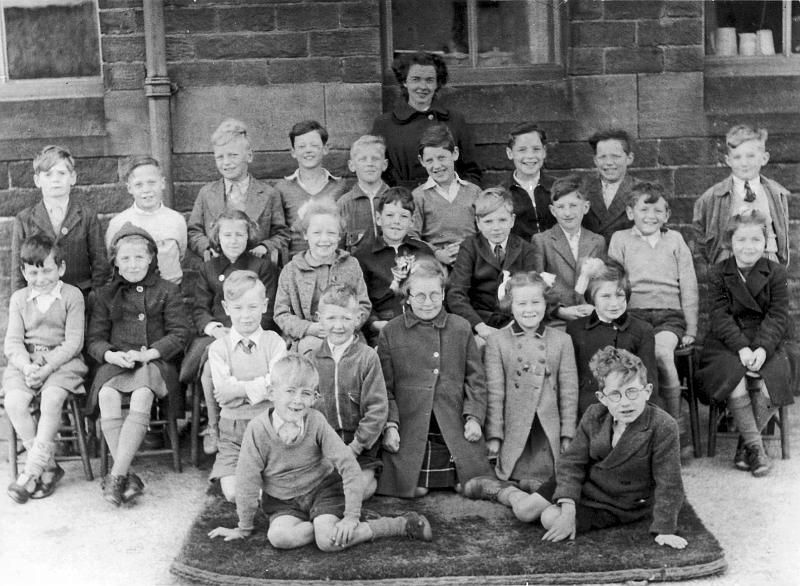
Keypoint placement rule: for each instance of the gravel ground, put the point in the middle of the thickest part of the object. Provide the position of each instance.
(76, 538)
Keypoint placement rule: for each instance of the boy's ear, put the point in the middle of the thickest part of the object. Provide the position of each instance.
(351, 166)
(225, 307)
(629, 211)
(62, 268)
(586, 207)
(765, 158)
(455, 153)
(385, 165)
(509, 154)
(630, 158)
(36, 181)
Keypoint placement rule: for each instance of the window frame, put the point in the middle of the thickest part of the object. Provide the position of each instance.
(474, 74)
(784, 62)
(48, 88)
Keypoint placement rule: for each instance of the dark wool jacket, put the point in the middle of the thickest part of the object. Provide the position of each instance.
(402, 128)
(80, 240)
(602, 220)
(530, 220)
(472, 287)
(639, 477)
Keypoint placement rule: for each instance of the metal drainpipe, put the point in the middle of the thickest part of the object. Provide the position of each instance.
(158, 91)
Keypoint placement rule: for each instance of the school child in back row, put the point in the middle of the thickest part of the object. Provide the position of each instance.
(352, 389)
(437, 393)
(240, 362)
(43, 347)
(232, 236)
(309, 273)
(562, 249)
(311, 182)
(167, 227)
(745, 189)
(663, 283)
(137, 329)
(386, 259)
(484, 260)
(69, 222)
(444, 214)
(608, 290)
(607, 192)
(623, 465)
(532, 386)
(304, 476)
(239, 190)
(528, 184)
(359, 206)
(744, 359)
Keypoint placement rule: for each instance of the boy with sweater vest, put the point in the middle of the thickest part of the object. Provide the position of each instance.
(308, 476)
(352, 389)
(240, 363)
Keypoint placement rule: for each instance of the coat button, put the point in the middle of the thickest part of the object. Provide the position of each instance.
(143, 349)
(141, 317)
(436, 355)
(519, 358)
(430, 116)
(64, 231)
(519, 373)
(516, 385)
(541, 360)
(139, 289)
(221, 278)
(435, 371)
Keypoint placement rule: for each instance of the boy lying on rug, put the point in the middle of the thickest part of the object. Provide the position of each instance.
(623, 465)
(290, 452)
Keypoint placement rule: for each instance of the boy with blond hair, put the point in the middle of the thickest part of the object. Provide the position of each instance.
(239, 190)
(69, 222)
(745, 189)
(358, 206)
(240, 365)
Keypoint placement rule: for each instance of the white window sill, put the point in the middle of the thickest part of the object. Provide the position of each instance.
(51, 89)
(716, 66)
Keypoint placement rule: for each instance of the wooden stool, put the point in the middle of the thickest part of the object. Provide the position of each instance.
(73, 432)
(684, 362)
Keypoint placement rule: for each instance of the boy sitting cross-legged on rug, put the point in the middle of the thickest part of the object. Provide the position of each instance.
(622, 466)
(240, 363)
(310, 479)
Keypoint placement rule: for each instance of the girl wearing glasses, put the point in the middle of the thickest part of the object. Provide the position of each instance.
(437, 393)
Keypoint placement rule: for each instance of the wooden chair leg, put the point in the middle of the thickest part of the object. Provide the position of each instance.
(80, 433)
(195, 424)
(713, 416)
(174, 442)
(784, 424)
(12, 450)
(103, 455)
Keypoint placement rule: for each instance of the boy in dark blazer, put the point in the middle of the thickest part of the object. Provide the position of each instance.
(484, 261)
(608, 191)
(562, 249)
(622, 466)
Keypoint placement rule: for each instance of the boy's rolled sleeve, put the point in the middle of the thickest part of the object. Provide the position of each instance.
(252, 461)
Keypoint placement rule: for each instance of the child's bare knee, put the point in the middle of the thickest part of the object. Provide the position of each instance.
(16, 403)
(323, 535)
(280, 538)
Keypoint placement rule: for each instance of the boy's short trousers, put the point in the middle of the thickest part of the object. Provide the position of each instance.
(663, 320)
(231, 434)
(368, 459)
(586, 518)
(326, 499)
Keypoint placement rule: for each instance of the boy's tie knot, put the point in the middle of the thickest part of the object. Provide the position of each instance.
(749, 194)
(247, 345)
(499, 254)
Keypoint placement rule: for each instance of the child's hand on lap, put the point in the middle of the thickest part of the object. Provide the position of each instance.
(746, 357)
(344, 530)
(759, 357)
(118, 359)
(472, 430)
(564, 526)
(674, 541)
(227, 534)
(391, 440)
(260, 251)
(687, 340)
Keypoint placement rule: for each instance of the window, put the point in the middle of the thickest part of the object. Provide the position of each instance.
(477, 36)
(755, 36)
(49, 48)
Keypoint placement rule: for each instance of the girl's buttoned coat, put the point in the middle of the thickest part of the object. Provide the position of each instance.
(529, 374)
(431, 367)
(753, 313)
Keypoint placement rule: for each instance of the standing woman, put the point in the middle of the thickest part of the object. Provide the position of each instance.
(421, 75)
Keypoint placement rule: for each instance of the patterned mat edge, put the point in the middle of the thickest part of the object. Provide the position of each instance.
(671, 574)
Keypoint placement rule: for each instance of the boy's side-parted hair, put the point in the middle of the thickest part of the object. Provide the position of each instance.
(397, 195)
(232, 215)
(307, 126)
(748, 217)
(436, 136)
(492, 199)
(139, 161)
(526, 279)
(424, 268)
(608, 269)
(566, 185)
(526, 128)
(340, 295)
(612, 134)
(402, 64)
(294, 370)
(51, 155)
(650, 191)
(610, 360)
(36, 248)
(325, 207)
(368, 141)
(238, 282)
(742, 133)
(230, 129)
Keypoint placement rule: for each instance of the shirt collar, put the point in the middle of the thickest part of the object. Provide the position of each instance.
(62, 203)
(404, 113)
(517, 330)
(55, 292)
(296, 176)
(243, 185)
(577, 235)
(341, 348)
(652, 240)
(236, 337)
(411, 319)
(361, 192)
(146, 212)
(278, 422)
(503, 244)
(622, 322)
(738, 184)
(524, 185)
(431, 183)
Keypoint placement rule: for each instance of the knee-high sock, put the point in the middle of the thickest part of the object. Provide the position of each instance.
(111, 427)
(742, 411)
(130, 438)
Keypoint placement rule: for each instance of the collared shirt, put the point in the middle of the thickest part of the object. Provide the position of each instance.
(45, 300)
(529, 187)
(255, 337)
(573, 241)
(296, 177)
(450, 193)
(338, 351)
(57, 211)
(760, 204)
(652, 240)
(277, 423)
(242, 186)
(502, 244)
(609, 191)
